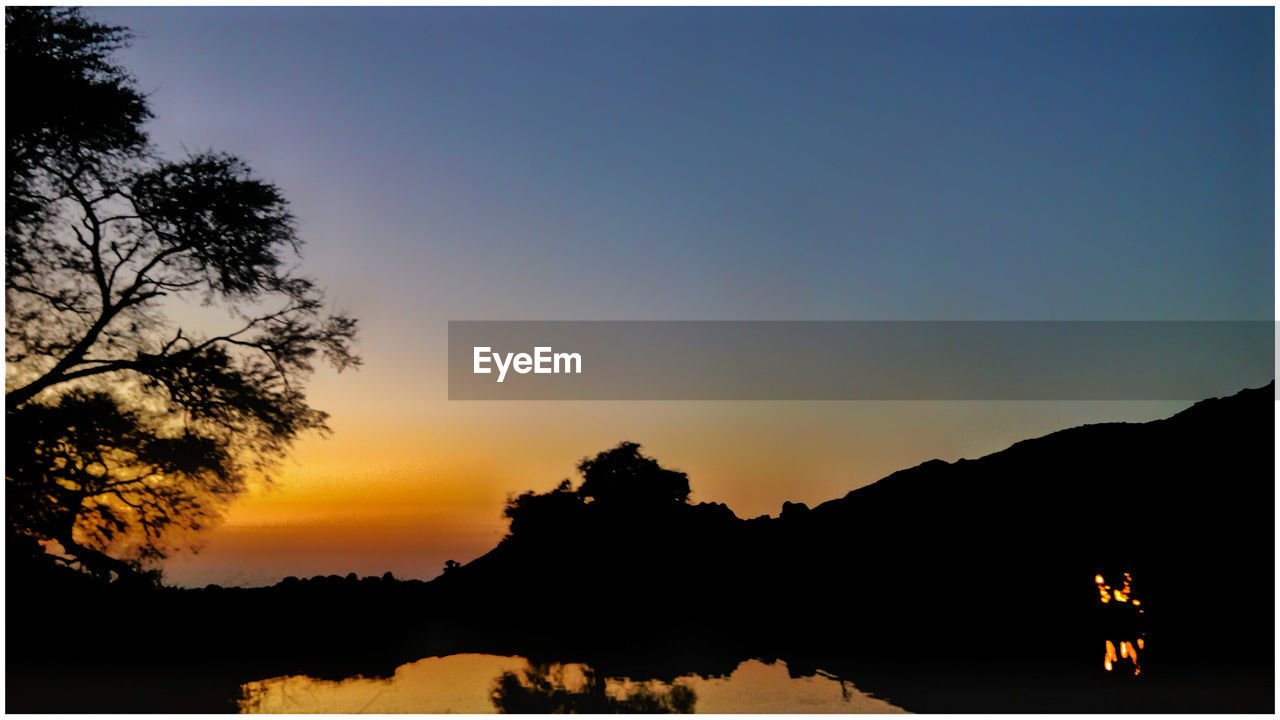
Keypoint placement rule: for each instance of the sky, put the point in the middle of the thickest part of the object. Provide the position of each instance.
(704, 164)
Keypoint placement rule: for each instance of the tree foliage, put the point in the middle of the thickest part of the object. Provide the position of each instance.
(158, 338)
(68, 102)
(622, 474)
(620, 480)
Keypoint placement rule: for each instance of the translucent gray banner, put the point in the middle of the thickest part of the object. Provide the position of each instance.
(925, 360)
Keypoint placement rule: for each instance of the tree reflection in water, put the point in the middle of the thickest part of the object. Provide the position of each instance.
(553, 688)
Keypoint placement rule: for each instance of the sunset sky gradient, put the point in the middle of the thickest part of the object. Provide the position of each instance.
(704, 164)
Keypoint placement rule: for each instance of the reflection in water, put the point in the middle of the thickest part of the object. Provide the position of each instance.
(1116, 598)
(1124, 595)
(485, 683)
(560, 688)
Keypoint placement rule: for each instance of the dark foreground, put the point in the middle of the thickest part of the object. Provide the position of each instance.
(964, 587)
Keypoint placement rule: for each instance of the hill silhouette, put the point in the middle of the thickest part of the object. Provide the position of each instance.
(968, 586)
(947, 566)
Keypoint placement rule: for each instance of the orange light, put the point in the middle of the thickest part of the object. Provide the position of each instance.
(1128, 649)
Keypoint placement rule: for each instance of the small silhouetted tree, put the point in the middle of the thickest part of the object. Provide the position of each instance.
(623, 475)
(530, 511)
(620, 481)
(128, 423)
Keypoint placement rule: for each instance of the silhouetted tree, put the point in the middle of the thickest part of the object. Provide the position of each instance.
(619, 481)
(530, 510)
(622, 474)
(130, 424)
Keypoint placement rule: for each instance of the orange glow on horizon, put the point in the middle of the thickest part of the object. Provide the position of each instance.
(408, 479)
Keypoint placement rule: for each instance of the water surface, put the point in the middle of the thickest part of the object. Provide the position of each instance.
(472, 683)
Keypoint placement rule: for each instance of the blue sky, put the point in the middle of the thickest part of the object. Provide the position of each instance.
(841, 163)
